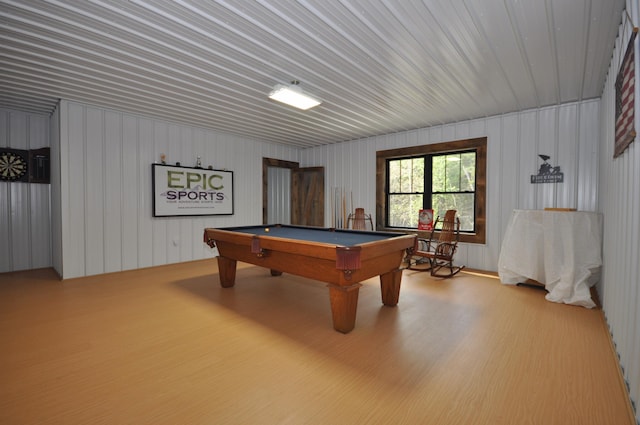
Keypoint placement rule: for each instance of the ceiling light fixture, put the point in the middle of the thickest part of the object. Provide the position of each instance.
(293, 95)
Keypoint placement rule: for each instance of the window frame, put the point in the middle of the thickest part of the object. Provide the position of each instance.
(478, 144)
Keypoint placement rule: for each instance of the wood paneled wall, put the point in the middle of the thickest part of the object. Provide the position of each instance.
(619, 182)
(568, 133)
(106, 201)
(25, 228)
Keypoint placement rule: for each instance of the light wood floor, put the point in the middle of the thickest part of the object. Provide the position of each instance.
(167, 345)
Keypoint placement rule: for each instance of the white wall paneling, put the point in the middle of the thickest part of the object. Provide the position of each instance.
(106, 221)
(619, 201)
(105, 178)
(564, 132)
(25, 227)
(279, 195)
(112, 177)
(56, 194)
(93, 168)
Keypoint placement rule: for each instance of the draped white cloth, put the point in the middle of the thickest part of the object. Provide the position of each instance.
(561, 249)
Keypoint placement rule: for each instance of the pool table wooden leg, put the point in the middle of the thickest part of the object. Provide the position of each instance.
(344, 302)
(227, 272)
(390, 287)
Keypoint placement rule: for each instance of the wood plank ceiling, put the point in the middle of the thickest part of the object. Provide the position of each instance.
(380, 66)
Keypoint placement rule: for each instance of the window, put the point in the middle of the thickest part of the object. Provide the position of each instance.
(442, 176)
(436, 181)
(405, 194)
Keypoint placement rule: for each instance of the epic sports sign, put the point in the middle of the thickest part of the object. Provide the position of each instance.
(191, 191)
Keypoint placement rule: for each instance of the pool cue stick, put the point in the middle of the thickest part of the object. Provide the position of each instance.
(344, 210)
(332, 217)
(339, 214)
(337, 210)
(335, 199)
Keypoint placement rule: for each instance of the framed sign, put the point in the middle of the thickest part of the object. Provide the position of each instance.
(186, 191)
(425, 220)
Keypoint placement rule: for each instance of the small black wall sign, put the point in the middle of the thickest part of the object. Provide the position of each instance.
(547, 173)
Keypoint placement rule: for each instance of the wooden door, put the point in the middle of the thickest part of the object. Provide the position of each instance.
(307, 196)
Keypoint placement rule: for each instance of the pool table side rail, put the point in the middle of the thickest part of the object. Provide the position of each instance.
(309, 248)
(323, 270)
(260, 228)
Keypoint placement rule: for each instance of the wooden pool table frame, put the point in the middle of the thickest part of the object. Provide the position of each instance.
(320, 261)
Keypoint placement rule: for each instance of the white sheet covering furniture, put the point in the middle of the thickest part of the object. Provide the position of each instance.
(561, 249)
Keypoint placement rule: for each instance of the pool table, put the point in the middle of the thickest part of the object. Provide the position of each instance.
(341, 258)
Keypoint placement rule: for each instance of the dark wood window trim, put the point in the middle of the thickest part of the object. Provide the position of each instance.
(479, 144)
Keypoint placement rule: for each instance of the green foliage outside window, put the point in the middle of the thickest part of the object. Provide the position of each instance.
(451, 185)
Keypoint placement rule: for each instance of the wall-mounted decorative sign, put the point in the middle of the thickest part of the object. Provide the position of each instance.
(27, 166)
(547, 173)
(187, 191)
(625, 109)
(425, 220)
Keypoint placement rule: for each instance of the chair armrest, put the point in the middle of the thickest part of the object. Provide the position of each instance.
(446, 249)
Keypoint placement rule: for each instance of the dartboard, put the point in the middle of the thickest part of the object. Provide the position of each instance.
(13, 166)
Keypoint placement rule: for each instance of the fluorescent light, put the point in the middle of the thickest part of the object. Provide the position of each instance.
(294, 96)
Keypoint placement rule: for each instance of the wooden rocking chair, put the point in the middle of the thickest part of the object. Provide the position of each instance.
(358, 220)
(438, 251)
